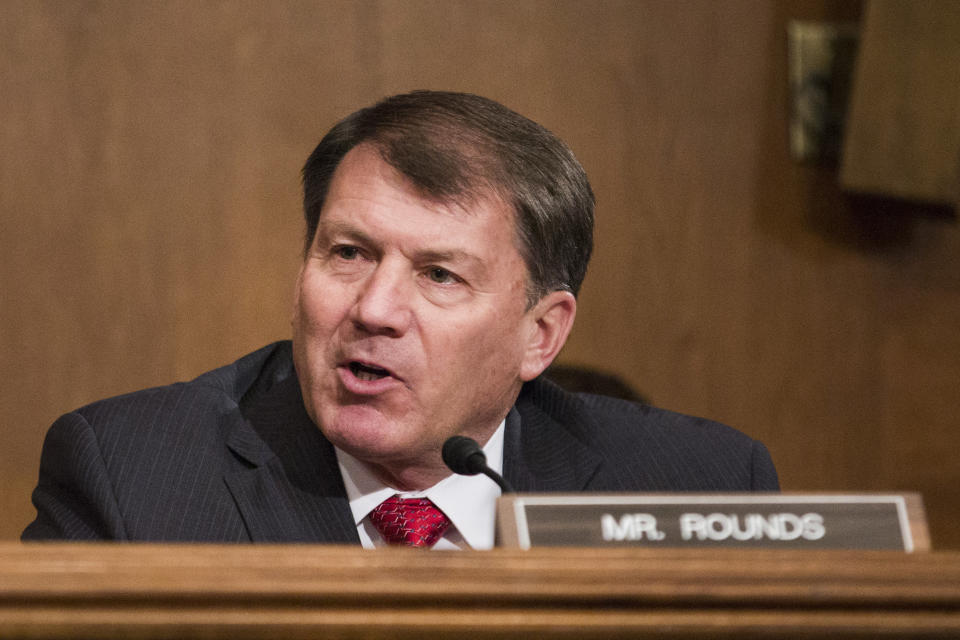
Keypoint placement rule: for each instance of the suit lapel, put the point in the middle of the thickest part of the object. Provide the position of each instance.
(545, 442)
(290, 489)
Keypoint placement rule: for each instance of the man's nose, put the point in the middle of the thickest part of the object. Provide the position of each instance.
(383, 302)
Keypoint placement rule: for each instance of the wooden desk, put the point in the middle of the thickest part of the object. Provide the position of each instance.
(211, 591)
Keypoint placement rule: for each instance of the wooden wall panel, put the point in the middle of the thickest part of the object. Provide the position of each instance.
(151, 226)
(903, 129)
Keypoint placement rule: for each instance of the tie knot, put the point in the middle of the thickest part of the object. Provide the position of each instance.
(411, 521)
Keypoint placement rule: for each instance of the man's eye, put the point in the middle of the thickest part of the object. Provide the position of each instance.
(441, 275)
(347, 253)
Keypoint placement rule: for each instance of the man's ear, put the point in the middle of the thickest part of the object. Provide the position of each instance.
(295, 306)
(550, 320)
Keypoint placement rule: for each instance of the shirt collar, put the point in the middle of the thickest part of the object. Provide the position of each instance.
(469, 501)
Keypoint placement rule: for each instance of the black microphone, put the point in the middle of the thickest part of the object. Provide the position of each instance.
(464, 456)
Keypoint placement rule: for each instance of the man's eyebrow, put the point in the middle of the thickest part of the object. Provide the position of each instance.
(447, 255)
(451, 255)
(341, 229)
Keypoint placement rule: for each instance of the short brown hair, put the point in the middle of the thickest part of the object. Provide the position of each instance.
(457, 146)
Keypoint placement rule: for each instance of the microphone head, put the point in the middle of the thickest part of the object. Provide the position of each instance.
(463, 455)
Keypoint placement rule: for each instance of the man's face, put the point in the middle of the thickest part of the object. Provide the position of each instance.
(410, 322)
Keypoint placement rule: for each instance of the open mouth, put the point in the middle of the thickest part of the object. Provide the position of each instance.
(366, 372)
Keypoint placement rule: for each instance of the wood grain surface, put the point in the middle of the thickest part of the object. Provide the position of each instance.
(157, 591)
(903, 134)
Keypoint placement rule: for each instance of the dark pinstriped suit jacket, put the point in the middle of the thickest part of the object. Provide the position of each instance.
(232, 456)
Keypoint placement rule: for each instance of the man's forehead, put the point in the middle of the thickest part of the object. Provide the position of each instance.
(363, 172)
(368, 161)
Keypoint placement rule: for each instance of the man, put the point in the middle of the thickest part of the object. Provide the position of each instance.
(447, 238)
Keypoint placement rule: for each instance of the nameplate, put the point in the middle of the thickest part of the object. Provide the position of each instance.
(760, 520)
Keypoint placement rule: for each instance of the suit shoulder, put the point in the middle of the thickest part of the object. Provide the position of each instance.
(178, 424)
(633, 419)
(645, 448)
(148, 465)
(221, 388)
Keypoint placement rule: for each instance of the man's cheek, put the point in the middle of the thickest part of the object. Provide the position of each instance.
(320, 313)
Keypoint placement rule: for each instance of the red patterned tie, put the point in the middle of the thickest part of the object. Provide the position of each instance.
(411, 521)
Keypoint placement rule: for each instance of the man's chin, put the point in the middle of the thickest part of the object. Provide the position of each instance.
(367, 434)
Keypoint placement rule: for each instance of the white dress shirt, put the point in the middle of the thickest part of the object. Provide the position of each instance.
(469, 501)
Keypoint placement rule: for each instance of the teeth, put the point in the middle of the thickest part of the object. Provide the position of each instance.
(366, 373)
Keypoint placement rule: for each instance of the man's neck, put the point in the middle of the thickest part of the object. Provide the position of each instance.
(410, 476)
(407, 478)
